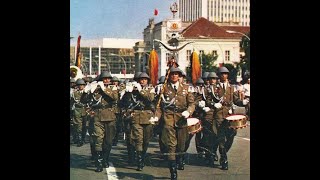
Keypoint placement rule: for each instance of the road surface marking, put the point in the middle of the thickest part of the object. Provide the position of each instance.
(247, 139)
(111, 171)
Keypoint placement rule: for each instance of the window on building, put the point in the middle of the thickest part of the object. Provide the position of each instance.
(214, 53)
(227, 55)
(168, 57)
(188, 57)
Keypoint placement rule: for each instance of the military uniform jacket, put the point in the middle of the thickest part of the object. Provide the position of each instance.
(142, 105)
(228, 98)
(107, 104)
(78, 100)
(174, 103)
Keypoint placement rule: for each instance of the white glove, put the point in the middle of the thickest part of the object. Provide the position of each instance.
(87, 88)
(206, 109)
(202, 104)
(218, 105)
(138, 86)
(185, 114)
(129, 88)
(153, 120)
(245, 102)
(230, 111)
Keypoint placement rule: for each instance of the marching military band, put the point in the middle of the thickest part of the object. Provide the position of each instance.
(104, 107)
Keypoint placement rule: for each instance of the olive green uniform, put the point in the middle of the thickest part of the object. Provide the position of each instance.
(227, 97)
(175, 133)
(104, 123)
(79, 116)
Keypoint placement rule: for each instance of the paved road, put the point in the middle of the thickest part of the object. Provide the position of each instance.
(82, 168)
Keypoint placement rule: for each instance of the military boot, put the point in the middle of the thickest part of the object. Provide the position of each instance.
(115, 139)
(139, 161)
(215, 149)
(99, 160)
(179, 161)
(144, 154)
(131, 154)
(80, 142)
(224, 161)
(105, 162)
(173, 170)
(212, 159)
(83, 137)
(93, 153)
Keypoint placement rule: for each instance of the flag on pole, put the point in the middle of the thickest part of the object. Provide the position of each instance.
(153, 67)
(195, 67)
(78, 57)
(155, 12)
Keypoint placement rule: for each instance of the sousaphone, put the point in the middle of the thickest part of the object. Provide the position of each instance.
(75, 72)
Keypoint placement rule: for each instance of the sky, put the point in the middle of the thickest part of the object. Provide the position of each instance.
(95, 19)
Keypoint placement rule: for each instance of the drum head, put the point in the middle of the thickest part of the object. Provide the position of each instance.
(192, 121)
(235, 117)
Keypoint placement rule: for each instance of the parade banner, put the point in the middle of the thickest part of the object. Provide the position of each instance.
(153, 67)
(78, 57)
(196, 68)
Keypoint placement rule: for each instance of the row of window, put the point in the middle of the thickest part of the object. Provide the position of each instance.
(214, 52)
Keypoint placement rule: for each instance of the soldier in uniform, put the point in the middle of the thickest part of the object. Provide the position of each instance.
(209, 130)
(198, 95)
(143, 109)
(73, 133)
(223, 108)
(177, 104)
(127, 105)
(158, 127)
(115, 82)
(79, 112)
(107, 97)
(204, 77)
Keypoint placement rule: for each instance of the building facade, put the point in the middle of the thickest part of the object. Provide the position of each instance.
(219, 11)
(207, 37)
(106, 54)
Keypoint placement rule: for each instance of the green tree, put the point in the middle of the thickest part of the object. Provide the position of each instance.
(245, 60)
(208, 61)
(233, 71)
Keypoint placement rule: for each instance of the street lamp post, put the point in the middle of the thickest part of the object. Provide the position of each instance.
(106, 61)
(206, 37)
(124, 62)
(236, 32)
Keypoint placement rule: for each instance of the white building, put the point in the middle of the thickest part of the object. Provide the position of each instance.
(106, 42)
(218, 11)
(207, 37)
(105, 54)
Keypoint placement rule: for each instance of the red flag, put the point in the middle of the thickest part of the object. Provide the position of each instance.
(155, 12)
(78, 63)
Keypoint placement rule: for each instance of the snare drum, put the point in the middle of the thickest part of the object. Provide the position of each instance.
(237, 121)
(194, 125)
